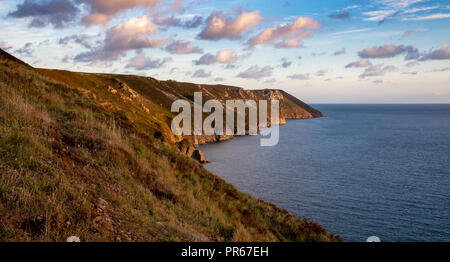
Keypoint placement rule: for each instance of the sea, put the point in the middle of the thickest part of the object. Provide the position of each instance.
(362, 170)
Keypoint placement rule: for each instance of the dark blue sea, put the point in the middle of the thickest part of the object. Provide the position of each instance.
(363, 170)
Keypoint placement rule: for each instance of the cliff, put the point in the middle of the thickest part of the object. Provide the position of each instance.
(92, 155)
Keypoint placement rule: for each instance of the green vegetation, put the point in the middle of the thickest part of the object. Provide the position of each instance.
(92, 155)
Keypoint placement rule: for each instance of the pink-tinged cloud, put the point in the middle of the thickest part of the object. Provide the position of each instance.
(227, 56)
(256, 72)
(131, 35)
(439, 54)
(287, 35)
(101, 11)
(183, 47)
(142, 62)
(387, 51)
(377, 70)
(359, 63)
(220, 25)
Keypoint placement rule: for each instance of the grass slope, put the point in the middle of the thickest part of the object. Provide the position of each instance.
(85, 155)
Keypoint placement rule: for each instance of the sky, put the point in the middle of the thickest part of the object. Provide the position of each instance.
(324, 51)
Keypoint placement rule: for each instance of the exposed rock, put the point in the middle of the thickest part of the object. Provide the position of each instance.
(273, 94)
(198, 155)
(186, 147)
(102, 222)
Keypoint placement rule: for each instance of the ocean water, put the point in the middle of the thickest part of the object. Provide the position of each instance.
(363, 170)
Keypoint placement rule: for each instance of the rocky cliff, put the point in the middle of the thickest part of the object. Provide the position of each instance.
(290, 106)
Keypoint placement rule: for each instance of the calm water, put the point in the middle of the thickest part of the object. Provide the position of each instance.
(362, 170)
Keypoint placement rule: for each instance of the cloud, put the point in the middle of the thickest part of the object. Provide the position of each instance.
(58, 13)
(393, 8)
(412, 64)
(321, 72)
(387, 51)
(183, 47)
(442, 53)
(409, 73)
(131, 35)
(446, 69)
(219, 79)
(420, 9)
(342, 15)
(173, 70)
(351, 7)
(318, 54)
(340, 52)
(142, 62)
(220, 25)
(350, 31)
(379, 15)
(256, 72)
(399, 4)
(201, 74)
(81, 39)
(427, 17)
(101, 11)
(4, 45)
(287, 35)
(227, 56)
(270, 81)
(207, 59)
(359, 63)
(300, 77)
(378, 81)
(286, 64)
(388, 17)
(25, 50)
(231, 66)
(194, 22)
(377, 70)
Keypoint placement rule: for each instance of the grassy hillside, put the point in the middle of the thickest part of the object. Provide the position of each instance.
(92, 155)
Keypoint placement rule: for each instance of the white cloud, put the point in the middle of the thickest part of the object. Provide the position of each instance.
(426, 17)
(350, 31)
(420, 9)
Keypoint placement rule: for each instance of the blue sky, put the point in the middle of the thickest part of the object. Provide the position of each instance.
(380, 51)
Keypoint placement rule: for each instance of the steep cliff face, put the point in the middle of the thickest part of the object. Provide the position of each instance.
(92, 155)
(290, 106)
